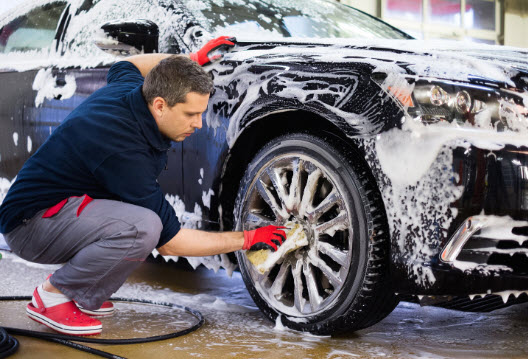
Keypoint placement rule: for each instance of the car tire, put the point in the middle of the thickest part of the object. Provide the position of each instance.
(340, 280)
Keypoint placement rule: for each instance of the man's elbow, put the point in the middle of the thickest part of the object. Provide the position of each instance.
(163, 251)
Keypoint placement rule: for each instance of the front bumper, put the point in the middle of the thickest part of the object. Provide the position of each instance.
(486, 248)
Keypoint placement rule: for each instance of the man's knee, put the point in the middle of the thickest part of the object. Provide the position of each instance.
(149, 230)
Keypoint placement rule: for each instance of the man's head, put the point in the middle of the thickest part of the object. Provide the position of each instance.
(177, 91)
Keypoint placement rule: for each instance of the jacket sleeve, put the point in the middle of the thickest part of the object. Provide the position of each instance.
(124, 71)
(132, 177)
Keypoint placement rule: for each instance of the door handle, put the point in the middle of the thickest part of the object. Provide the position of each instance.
(60, 82)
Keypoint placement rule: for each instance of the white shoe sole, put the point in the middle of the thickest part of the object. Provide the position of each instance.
(61, 328)
(97, 312)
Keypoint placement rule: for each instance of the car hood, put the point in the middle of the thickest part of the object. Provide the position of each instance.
(451, 60)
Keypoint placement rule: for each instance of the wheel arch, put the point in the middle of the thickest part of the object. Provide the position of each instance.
(262, 130)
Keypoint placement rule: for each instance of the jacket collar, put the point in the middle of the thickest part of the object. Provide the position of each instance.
(146, 121)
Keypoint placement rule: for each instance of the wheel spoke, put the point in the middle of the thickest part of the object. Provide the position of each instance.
(338, 223)
(270, 200)
(333, 277)
(313, 293)
(309, 192)
(339, 256)
(276, 180)
(315, 213)
(254, 220)
(299, 300)
(278, 283)
(294, 198)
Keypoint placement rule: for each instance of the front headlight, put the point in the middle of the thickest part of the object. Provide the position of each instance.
(479, 106)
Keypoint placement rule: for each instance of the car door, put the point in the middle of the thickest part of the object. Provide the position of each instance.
(26, 119)
(203, 152)
(49, 75)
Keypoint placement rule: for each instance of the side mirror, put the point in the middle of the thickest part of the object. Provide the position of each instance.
(129, 37)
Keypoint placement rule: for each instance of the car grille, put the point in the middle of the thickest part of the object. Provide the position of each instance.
(509, 255)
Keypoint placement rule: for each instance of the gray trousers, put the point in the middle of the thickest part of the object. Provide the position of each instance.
(100, 248)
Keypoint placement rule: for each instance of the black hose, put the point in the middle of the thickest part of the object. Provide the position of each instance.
(9, 345)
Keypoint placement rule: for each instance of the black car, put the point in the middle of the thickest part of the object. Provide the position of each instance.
(405, 161)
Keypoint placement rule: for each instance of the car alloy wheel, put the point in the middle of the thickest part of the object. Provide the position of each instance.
(301, 179)
(296, 188)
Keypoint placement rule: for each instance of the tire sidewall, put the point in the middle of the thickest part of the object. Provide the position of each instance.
(355, 199)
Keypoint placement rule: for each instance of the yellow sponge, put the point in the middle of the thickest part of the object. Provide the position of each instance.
(263, 260)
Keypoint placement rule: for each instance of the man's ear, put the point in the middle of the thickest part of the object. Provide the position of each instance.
(159, 106)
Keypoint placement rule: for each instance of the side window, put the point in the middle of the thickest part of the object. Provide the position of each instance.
(33, 31)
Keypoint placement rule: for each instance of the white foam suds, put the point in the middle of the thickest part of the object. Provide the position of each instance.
(193, 220)
(505, 295)
(496, 228)
(81, 50)
(485, 269)
(340, 354)
(278, 324)
(45, 84)
(202, 301)
(407, 154)
(417, 159)
(15, 138)
(222, 306)
(200, 180)
(45, 267)
(511, 251)
(214, 263)
(500, 228)
(206, 198)
(29, 144)
(5, 184)
(442, 59)
(416, 171)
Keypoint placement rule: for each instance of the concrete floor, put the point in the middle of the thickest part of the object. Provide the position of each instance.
(234, 327)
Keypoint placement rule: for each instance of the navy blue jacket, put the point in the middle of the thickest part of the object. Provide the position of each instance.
(109, 147)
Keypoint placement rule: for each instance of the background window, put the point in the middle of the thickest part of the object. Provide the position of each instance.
(33, 31)
(480, 14)
(404, 9)
(472, 20)
(444, 11)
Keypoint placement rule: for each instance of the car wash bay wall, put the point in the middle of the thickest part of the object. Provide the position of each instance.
(512, 21)
(516, 23)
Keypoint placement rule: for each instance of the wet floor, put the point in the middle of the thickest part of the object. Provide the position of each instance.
(234, 328)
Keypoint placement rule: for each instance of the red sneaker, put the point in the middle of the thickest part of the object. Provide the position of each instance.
(65, 318)
(106, 309)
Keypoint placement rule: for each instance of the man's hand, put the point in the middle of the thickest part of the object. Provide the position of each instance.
(269, 237)
(205, 54)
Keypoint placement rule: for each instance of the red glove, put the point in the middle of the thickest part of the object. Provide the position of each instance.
(269, 237)
(204, 55)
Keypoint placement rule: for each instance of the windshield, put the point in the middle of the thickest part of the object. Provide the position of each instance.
(265, 19)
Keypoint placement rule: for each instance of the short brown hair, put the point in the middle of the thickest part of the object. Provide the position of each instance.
(173, 78)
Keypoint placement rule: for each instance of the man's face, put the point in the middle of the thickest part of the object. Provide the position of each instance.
(181, 120)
